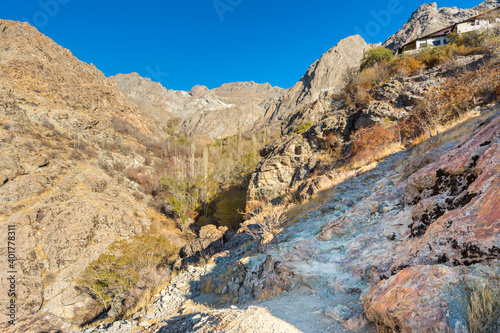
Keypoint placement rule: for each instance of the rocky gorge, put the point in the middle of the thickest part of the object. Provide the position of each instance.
(400, 243)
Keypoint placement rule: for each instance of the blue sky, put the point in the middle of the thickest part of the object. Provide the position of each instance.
(187, 42)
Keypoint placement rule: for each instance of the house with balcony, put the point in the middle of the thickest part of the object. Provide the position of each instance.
(490, 19)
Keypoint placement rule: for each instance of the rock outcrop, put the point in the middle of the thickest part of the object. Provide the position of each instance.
(290, 159)
(326, 74)
(420, 299)
(289, 162)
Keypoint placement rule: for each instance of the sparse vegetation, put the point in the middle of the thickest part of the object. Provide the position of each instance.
(264, 218)
(484, 307)
(128, 267)
(299, 129)
(368, 142)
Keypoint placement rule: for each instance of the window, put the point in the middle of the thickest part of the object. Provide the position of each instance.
(436, 42)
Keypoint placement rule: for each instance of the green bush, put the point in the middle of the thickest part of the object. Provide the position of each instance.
(433, 56)
(299, 129)
(122, 266)
(374, 56)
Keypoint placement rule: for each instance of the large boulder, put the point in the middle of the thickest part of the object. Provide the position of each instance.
(209, 241)
(420, 299)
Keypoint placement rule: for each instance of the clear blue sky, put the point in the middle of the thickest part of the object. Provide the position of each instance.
(210, 42)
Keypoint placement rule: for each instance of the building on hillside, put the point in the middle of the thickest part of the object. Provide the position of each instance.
(490, 19)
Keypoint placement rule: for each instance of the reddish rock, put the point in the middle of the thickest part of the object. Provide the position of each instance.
(419, 299)
(455, 214)
(356, 323)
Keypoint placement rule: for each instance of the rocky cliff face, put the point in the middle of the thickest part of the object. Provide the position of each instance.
(326, 74)
(215, 113)
(63, 150)
(428, 18)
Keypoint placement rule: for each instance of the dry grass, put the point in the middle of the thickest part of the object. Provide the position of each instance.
(299, 209)
(377, 156)
(453, 131)
(268, 218)
(269, 293)
(484, 307)
(207, 286)
(143, 301)
(147, 297)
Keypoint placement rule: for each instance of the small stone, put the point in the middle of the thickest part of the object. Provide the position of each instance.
(196, 319)
(163, 292)
(356, 323)
(339, 313)
(146, 323)
(182, 286)
(390, 183)
(234, 307)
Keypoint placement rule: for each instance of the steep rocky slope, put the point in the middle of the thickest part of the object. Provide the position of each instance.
(215, 113)
(326, 74)
(63, 134)
(428, 18)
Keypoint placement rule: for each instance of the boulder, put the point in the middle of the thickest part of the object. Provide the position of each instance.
(209, 241)
(420, 299)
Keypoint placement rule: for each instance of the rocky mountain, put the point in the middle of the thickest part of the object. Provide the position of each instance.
(245, 106)
(428, 18)
(215, 113)
(66, 143)
(325, 74)
(246, 103)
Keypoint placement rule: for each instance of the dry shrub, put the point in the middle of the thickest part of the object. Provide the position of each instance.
(456, 97)
(496, 93)
(432, 56)
(462, 50)
(48, 125)
(118, 166)
(409, 129)
(120, 125)
(367, 142)
(375, 75)
(356, 92)
(264, 220)
(458, 94)
(147, 182)
(484, 307)
(406, 66)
